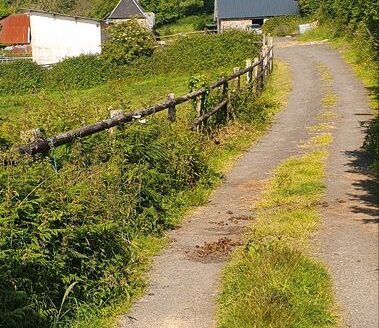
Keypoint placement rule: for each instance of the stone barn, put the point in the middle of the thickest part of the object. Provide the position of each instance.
(241, 14)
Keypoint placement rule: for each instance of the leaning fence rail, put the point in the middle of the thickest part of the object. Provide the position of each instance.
(256, 72)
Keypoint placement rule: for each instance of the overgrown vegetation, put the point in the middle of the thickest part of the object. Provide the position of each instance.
(21, 77)
(189, 56)
(167, 11)
(284, 25)
(127, 42)
(72, 217)
(186, 24)
(76, 224)
(345, 14)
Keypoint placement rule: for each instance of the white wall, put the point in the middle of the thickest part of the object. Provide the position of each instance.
(54, 38)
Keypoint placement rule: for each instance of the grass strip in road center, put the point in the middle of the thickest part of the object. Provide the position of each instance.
(273, 281)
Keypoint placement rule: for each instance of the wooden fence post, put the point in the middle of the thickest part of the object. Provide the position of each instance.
(249, 75)
(264, 40)
(113, 114)
(261, 70)
(238, 79)
(255, 73)
(225, 95)
(171, 113)
(265, 61)
(200, 111)
(271, 55)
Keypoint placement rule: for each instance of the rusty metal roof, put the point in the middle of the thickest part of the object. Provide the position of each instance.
(15, 29)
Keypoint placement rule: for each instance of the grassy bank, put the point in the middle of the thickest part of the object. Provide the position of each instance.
(187, 24)
(272, 281)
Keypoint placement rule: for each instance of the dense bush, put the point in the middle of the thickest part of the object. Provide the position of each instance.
(20, 77)
(284, 25)
(194, 54)
(72, 218)
(127, 42)
(372, 143)
(84, 71)
(346, 13)
(189, 55)
(4, 9)
(166, 10)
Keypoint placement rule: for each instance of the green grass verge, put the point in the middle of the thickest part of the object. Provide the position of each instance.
(272, 281)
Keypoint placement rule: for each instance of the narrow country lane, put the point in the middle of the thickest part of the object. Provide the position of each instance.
(184, 283)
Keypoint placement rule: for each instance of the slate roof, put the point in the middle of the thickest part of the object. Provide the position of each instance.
(127, 9)
(234, 9)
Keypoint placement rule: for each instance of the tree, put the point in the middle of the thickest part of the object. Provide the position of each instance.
(127, 41)
(4, 8)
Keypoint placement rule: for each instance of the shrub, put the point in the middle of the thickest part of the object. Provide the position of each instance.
(21, 77)
(127, 41)
(372, 144)
(203, 52)
(346, 13)
(84, 71)
(73, 218)
(283, 26)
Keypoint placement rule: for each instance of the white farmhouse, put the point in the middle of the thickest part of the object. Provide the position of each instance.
(52, 37)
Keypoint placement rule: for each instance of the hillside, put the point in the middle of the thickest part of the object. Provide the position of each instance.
(166, 10)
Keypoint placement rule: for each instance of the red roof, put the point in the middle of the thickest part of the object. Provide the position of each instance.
(15, 29)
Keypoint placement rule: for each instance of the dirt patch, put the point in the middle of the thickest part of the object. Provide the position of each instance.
(238, 219)
(214, 252)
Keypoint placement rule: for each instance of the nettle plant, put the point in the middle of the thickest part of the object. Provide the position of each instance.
(128, 41)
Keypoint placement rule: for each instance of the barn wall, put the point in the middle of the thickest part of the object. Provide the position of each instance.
(55, 38)
(234, 24)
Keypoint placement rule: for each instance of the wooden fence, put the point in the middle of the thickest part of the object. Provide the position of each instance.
(256, 72)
